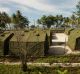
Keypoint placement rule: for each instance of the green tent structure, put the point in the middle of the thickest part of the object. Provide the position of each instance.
(4, 42)
(34, 43)
(74, 39)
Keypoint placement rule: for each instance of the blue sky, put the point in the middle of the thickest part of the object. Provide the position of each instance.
(33, 9)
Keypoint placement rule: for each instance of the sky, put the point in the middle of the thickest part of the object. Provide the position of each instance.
(34, 9)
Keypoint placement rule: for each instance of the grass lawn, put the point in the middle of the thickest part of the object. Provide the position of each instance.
(48, 59)
(59, 59)
(16, 69)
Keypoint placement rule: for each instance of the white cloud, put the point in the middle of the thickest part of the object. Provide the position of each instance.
(40, 7)
(36, 4)
(4, 9)
(45, 7)
(69, 4)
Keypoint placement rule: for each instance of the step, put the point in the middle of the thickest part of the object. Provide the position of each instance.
(58, 43)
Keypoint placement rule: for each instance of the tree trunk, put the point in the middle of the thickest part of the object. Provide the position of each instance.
(24, 65)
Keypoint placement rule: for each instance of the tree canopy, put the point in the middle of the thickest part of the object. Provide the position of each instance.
(51, 20)
(46, 20)
(77, 13)
(4, 19)
(19, 20)
(78, 9)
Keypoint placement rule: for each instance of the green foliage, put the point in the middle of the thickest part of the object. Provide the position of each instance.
(15, 69)
(4, 19)
(59, 59)
(19, 20)
(78, 9)
(59, 20)
(46, 45)
(66, 22)
(73, 20)
(46, 20)
(32, 26)
(64, 72)
(77, 12)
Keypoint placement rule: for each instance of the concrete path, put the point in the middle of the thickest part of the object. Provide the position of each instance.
(44, 64)
(59, 46)
(60, 50)
(59, 37)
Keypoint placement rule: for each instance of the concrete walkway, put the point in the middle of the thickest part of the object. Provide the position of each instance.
(59, 37)
(44, 64)
(59, 46)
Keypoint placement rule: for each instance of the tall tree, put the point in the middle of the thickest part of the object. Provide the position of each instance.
(19, 20)
(38, 21)
(14, 20)
(78, 12)
(50, 20)
(73, 20)
(42, 20)
(4, 19)
(59, 20)
(66, 21)
(25, 22)
(8, 19)
(78, 9)
(46, 20)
